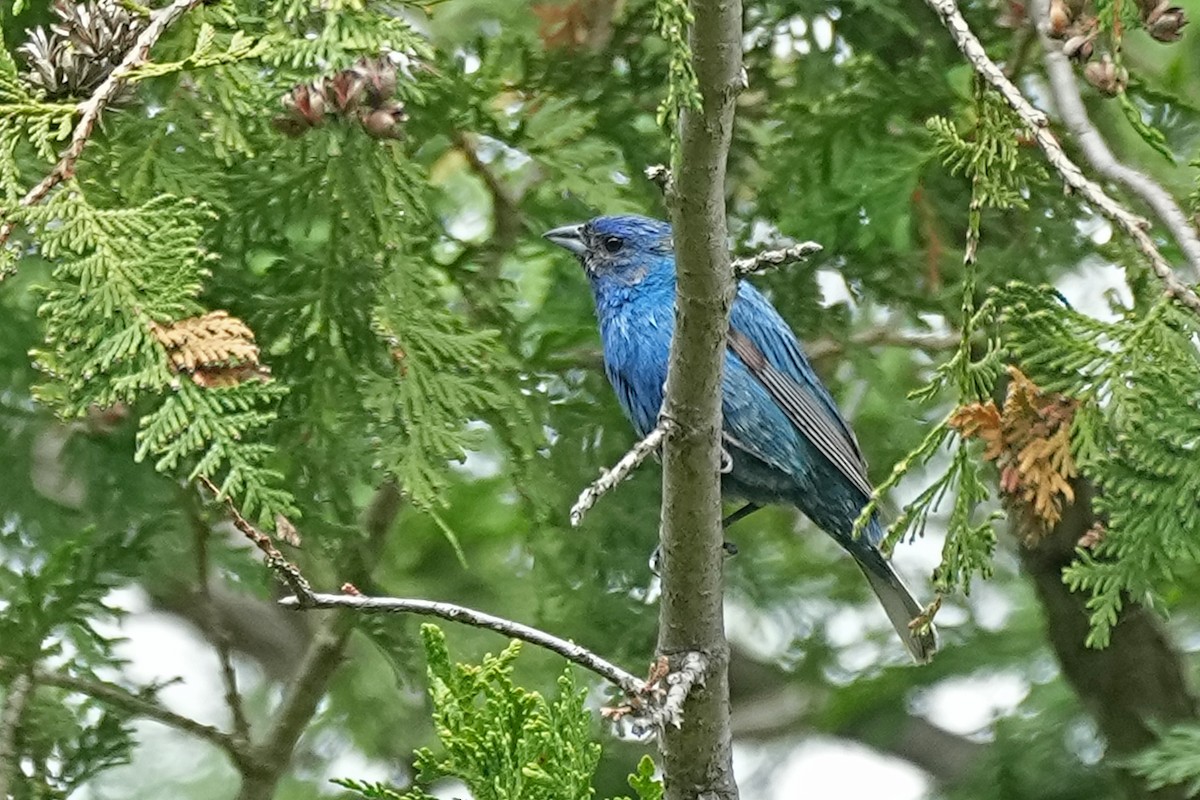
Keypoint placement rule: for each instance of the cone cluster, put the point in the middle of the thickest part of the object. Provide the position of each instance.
(81, 49)
(1076, 25)
(364, 94)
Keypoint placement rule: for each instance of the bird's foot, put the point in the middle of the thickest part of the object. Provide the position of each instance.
(730, 549)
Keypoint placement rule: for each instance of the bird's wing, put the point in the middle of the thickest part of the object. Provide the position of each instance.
(761, 340)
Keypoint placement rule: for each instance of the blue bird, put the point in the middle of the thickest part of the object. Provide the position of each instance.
(786, 441)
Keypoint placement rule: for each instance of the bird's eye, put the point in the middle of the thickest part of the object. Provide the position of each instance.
(612, 244)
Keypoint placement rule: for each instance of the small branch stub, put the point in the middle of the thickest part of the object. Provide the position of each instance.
(621, 470)
(660, 176)
(679, 686)
(771, 259)
(659, 704)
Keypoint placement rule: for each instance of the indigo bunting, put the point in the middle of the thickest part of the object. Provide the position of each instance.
(785, 440)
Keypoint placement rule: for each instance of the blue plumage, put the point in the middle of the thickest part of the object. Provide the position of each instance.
(787, 441)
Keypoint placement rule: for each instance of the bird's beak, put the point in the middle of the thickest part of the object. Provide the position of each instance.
(569, 237)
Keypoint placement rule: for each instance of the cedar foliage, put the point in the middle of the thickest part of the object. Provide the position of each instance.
(299, 315)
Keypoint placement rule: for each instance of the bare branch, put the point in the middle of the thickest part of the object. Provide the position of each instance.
(467, 616)
(121, 698)
(19, 692)
(1065, 91)
(301, 700)
(609, 479)
(286, 570)
(1133, 225)
(215, 627)
(1136, 686)
(883, 335)
(772, 259)
(94, 106)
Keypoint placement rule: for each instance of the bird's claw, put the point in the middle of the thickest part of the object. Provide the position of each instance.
(730, 549)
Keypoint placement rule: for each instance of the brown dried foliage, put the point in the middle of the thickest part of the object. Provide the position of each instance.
(579, 25)
(1029, 439)
(216, 350)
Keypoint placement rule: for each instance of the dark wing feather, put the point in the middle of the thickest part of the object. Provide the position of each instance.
(805, 412)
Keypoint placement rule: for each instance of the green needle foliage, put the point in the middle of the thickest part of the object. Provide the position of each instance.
(1133, 437)
(992, 160)
(1137, 422)
(673, 18)
(502, 741)
(1175, 760)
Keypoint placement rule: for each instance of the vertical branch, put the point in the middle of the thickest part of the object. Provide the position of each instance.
(211, 620)
(697, 756)
(19, 692)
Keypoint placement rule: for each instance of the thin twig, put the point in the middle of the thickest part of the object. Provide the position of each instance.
(1133, 225)
(609, 479)
(1022, 44)
(1065, 90)
(771, 259)
(94, 106)
(506, 203)
(217, 629)
(286, 570)
(568, 650)
(19, 692)
(118, 697)
(886, 336)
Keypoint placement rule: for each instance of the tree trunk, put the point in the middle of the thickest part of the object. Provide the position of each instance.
(1138, 680)
(697, 760)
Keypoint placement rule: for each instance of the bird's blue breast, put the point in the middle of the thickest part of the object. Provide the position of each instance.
(636, 334)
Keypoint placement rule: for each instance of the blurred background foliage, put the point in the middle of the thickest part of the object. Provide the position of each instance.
(419, 329)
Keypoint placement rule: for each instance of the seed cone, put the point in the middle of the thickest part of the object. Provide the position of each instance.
(81, 49)
(363, 93)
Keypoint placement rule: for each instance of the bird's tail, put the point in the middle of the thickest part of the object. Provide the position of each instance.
(902, 609)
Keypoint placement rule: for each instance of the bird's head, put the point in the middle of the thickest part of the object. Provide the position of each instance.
(624, 250)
